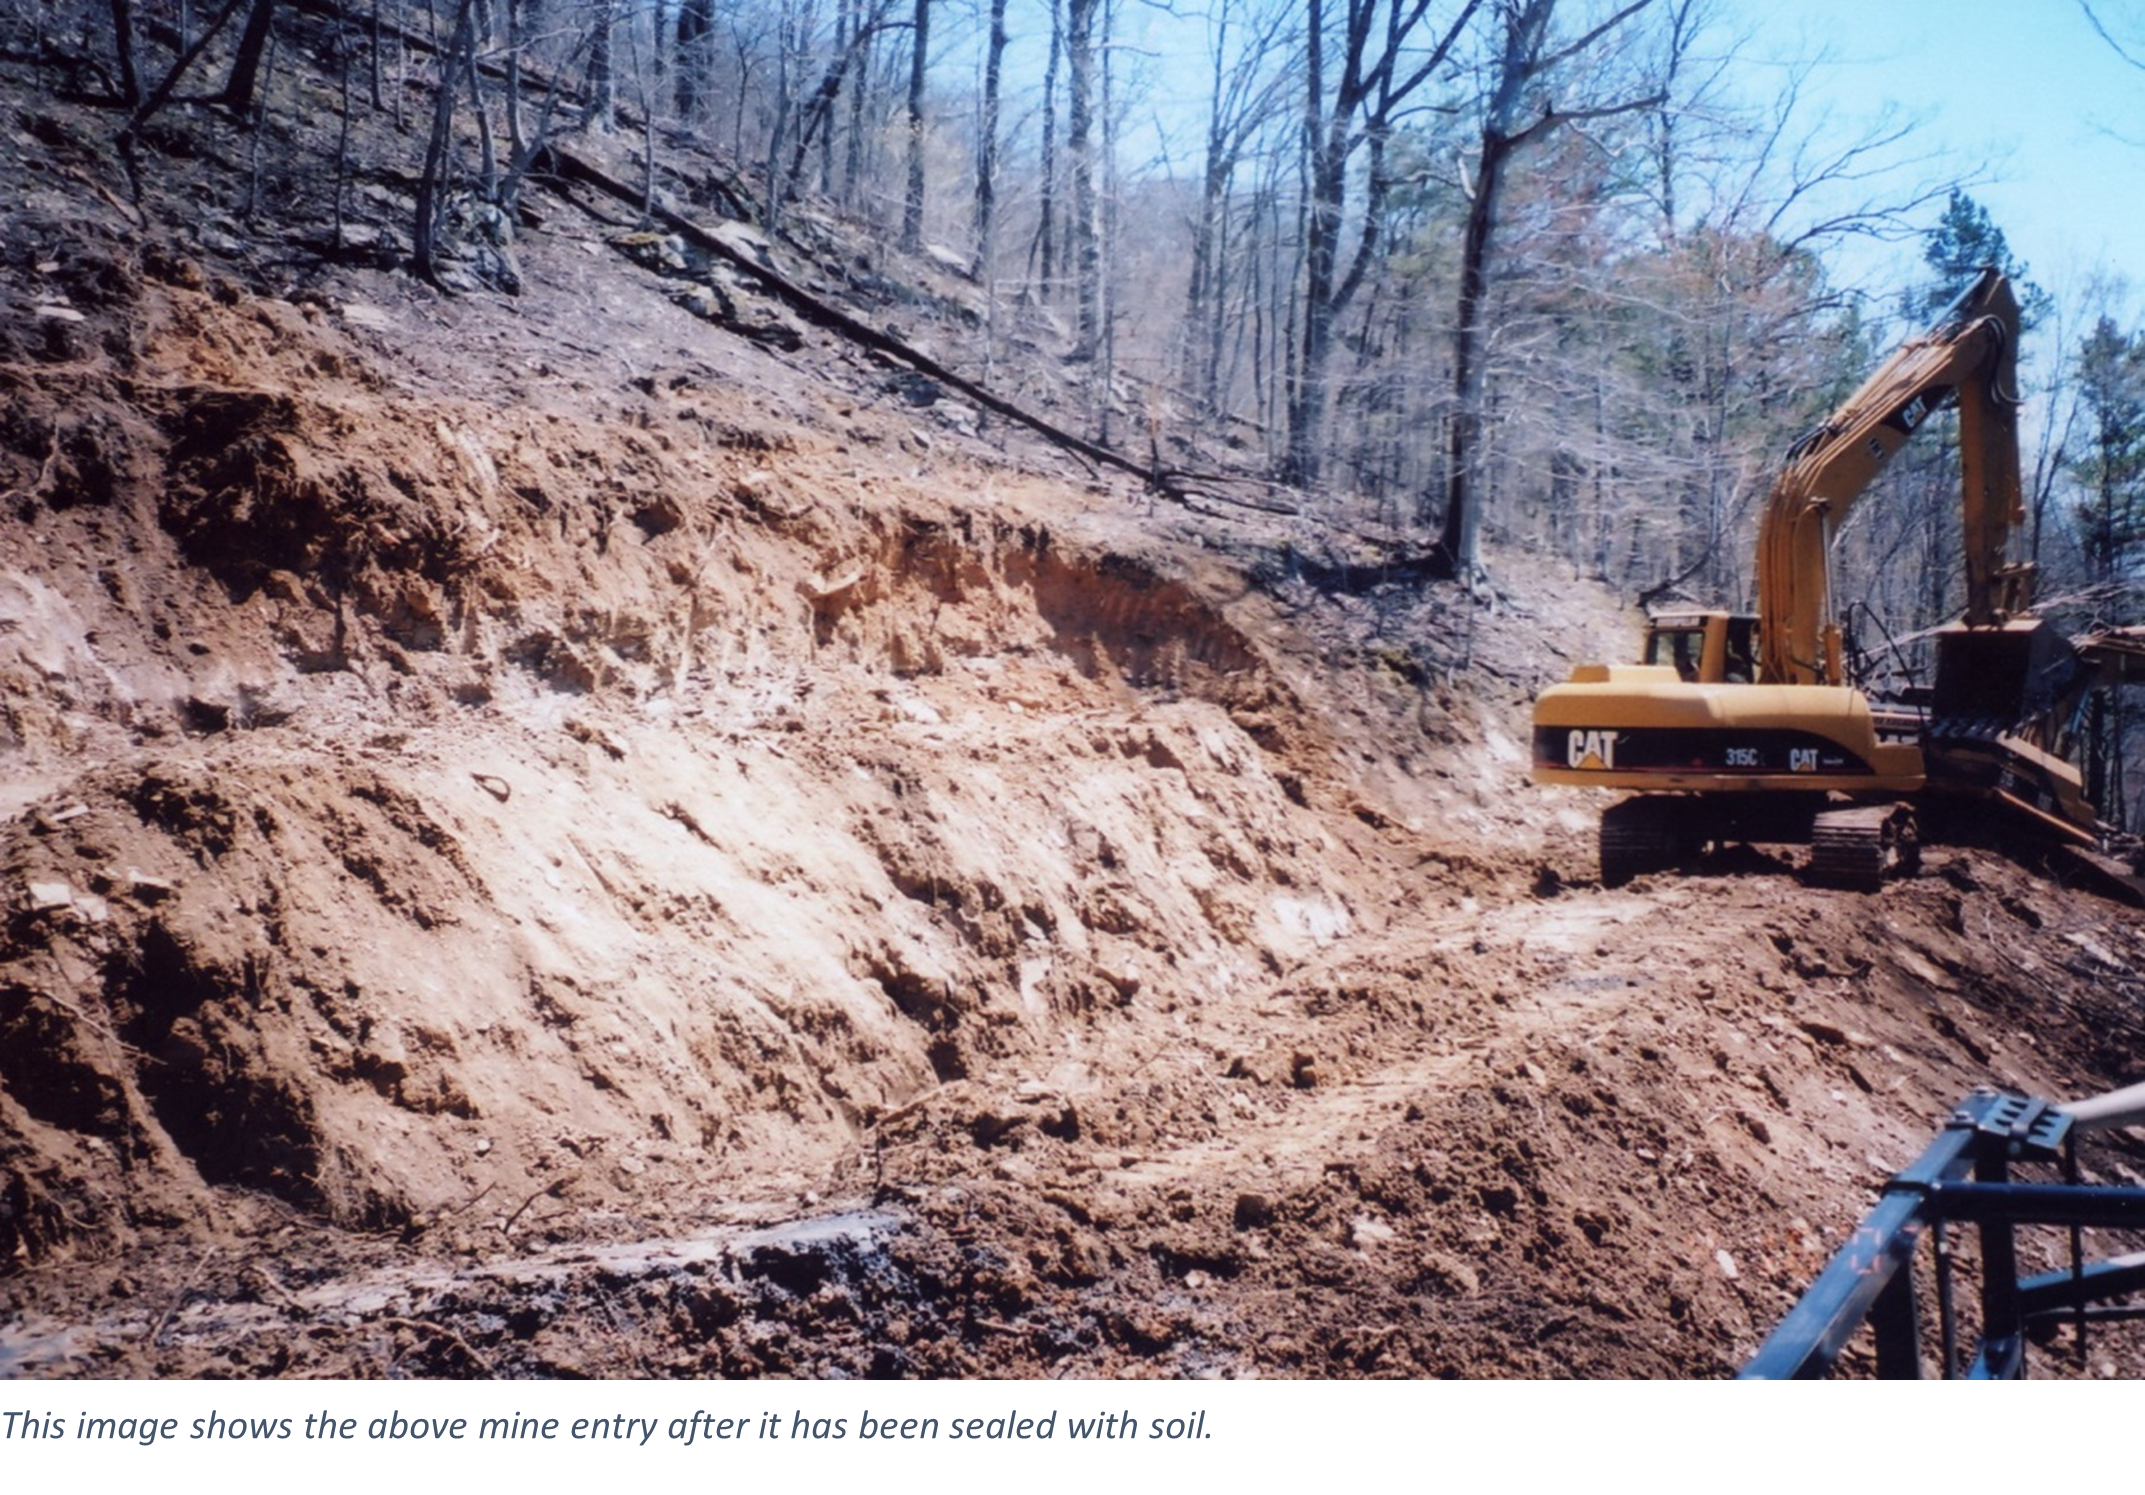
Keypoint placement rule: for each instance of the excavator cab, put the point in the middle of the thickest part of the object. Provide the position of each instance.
(1704, 648)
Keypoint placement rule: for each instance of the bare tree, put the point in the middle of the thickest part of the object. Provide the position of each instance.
(986, 211)
(912, 212)
(1527, 55)
(431, 181)
(130, 87)
(1379, 66)
(1084, 252)
(1247, 81)
(1044, 245)
(602, 71)
(694, 34)
(846, 65)
(245, 74)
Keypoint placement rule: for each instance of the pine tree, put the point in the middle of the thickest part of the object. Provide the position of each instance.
(2111, 471)
(1964, 243)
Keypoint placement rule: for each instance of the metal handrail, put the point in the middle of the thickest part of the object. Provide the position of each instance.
(1963, 1178)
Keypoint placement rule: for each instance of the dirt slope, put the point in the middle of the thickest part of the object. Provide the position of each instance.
(544, 836)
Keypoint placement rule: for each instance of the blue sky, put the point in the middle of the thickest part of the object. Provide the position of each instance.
(2023, 99)
(2019, 100)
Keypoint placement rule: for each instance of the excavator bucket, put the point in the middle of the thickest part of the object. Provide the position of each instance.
(1999, 680)
(1998, 716)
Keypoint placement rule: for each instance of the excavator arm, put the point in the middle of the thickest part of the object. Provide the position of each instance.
(1971, 357)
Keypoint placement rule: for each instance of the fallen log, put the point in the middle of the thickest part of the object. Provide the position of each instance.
(571, 167)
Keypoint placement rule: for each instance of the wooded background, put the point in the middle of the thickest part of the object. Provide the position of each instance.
(1552, 272)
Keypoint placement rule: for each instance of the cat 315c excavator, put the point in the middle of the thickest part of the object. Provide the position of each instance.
(1737, 727)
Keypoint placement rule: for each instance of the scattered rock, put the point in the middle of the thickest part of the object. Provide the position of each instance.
(1366, 1231)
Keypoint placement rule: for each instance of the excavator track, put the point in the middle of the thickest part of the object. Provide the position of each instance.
(1859, 848)
(1640, 836)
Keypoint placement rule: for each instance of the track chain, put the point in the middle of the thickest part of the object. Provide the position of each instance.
(1640, 836)
(1859, 848)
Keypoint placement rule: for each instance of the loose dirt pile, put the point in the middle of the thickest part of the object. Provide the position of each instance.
(542, 836)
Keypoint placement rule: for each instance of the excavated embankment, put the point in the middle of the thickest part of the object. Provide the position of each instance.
(482, 797)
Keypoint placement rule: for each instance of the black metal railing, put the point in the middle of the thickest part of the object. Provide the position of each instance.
(1964, 1179)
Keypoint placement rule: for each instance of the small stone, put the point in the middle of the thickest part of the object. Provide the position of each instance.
(1450, 1274)
(149, 889)
(50, 895)
(947, 259)
(1124, 979)
(1365, 1232)
(1726, 1263)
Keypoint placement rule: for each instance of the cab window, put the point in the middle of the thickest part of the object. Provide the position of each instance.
(1685, 648)
(1741, 665)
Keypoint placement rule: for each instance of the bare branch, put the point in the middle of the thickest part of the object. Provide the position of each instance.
(2105, 35)
(1591, 37)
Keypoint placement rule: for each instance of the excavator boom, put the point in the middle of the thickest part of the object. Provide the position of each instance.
(1970, 357)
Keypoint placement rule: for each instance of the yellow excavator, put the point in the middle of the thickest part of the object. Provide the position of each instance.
(1736, 727)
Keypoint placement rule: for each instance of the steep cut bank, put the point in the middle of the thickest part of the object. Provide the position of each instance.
(540, 845)
(476, 790)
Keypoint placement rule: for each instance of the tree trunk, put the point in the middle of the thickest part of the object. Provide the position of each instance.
(431, 182)
(130, 83)
(987, 146)
(696, 18)
(1523, 59)
(819, 114)
(246, 66)
(912, 212)
(791, 43)
(602, 74)
(1046, 226)
(1469, 368)
(1307, 406)
(844, 34)
(853, 148)
(1366, 91)
(1080, 156)
(1108, 235)
(1202, 294)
